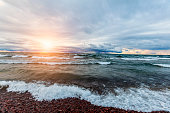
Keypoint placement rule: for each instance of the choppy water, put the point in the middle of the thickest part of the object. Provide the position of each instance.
(137, 82)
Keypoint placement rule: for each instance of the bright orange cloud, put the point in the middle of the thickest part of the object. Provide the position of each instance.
(143, 51)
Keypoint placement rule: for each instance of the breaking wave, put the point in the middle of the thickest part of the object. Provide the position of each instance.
(163, 65)
(4, 55)
(19, 56)
(146, 58)
(78, 57)
(139, 99)
(52, 63)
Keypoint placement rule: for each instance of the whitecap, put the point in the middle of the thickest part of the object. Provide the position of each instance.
(104, 63)
(163, 65)
(146, 58)
(78, 57)
(139, 99)
(19, 56)
(4, 55)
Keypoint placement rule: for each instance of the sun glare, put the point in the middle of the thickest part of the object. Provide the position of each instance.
(47, 45)
(1, 3)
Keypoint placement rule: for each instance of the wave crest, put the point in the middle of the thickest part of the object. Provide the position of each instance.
(163, 65)
(139, 99)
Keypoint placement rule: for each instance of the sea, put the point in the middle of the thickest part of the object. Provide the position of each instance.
(130, 82)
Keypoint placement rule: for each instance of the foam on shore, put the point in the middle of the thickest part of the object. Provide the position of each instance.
(139, 99)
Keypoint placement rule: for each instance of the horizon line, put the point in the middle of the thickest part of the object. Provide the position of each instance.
(77, 52)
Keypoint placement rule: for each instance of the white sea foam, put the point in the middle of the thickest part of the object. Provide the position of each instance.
(14, 62)
(3, 55)
(158, 58)
(28, 62)
(76, 63)
(62, 58)
(104, 63)
(139, 99)
(19, 56)
(146, 58)
(78, 57)
(164, 58)
(163, 65)
(51, 63)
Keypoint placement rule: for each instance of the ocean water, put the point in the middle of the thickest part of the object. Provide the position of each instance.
(134, 82)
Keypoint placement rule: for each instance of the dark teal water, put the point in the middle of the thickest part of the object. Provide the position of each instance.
(100, 72)
(136, 82)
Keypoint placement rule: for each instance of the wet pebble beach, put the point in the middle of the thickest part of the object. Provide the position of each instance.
(12, 102)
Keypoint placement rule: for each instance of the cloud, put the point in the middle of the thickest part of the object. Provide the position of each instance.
(1, 3)
(142, 51)
(109, 25)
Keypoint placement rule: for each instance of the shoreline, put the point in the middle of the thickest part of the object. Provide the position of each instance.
(24, 102)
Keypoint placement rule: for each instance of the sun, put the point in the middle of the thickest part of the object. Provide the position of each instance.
(47, 45)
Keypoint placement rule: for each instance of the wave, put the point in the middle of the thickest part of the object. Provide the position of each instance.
(164, 58)
(139, 99)
(104, 63)
(4, 55)
(14, 62)
(19, 56)
(158, 58)
(78, 57)
(75, 63)
(163, 65)
(42, 57)
(146, 58)
(52, 63)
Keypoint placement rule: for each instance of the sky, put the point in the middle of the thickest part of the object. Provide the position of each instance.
(115, 26)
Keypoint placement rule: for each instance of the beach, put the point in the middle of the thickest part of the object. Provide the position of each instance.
(12, 102)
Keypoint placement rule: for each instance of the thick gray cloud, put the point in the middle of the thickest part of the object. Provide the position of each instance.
(106, 25)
